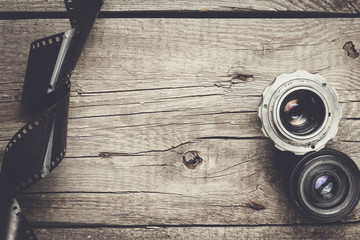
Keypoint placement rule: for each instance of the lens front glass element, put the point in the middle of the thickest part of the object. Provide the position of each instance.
(302, 112)
(325, 187)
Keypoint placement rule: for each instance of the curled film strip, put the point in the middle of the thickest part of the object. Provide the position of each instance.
(38, 147)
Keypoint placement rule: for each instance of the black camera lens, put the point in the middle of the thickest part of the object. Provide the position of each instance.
(325, 185)
(302, 112)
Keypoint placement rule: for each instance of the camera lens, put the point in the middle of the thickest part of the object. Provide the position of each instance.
(325, 185)
(302, 112)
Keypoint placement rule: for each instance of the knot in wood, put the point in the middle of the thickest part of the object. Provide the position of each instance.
(191, 159)
(105, 155)
(237, 76)
(255, 206)
(350, 50)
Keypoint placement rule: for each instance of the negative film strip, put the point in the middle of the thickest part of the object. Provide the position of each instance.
(38, 147)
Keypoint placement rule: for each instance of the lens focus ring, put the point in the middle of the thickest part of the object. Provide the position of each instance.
(325, 185)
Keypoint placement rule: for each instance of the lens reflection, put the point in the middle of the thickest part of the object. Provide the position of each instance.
(302, 112)
(323, 183)
(324, 187)
(297, 116)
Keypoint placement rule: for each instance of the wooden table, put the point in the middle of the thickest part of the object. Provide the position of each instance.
(164, 140)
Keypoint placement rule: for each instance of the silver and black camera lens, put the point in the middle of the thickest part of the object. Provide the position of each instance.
(300, 112)
(325, 185)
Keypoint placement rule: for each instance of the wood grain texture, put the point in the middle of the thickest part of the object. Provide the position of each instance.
(265, 232)
(338, 6)
(146, 91)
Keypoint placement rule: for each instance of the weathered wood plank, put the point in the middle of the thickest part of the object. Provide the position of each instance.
(150, 54)
(343, 231)
(156, 188)
(145, 91)
(193, 79)
(344, 6)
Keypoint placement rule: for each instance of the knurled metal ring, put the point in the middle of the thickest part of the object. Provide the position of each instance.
(269, 112)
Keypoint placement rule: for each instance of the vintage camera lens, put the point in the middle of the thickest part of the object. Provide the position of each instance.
(325, 185)
(300, 112)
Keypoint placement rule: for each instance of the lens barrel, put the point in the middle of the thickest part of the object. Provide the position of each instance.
(300, 112)
(325, 185)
